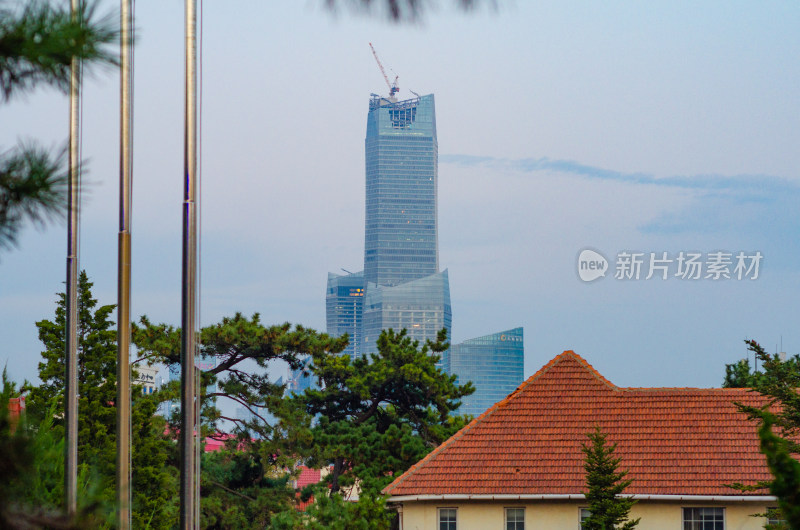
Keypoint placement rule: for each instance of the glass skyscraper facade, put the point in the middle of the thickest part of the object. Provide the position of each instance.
(420, 306)
(344, 300)
(404, 288)
(400, 241)
(401, 286)
(494, 363)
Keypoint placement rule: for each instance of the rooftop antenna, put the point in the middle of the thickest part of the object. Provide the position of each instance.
(393, 87)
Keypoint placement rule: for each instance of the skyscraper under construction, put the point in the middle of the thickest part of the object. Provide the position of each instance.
(402, 284)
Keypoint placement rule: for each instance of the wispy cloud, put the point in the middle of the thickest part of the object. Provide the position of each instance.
(747, 188)
(757, 208)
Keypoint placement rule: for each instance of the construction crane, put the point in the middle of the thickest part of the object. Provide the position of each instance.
(393, 88)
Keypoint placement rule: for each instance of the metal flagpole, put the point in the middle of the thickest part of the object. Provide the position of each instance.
(71, 360)
(124, 271)
(190, 483)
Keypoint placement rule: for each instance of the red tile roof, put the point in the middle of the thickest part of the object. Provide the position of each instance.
(672, 441)
(307, 476)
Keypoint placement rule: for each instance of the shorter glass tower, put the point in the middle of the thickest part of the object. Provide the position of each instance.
(344, 299)
(421, 306)
(494, 363)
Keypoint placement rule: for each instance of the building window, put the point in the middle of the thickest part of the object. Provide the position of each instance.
(515, 518)
(704, 519)
(774, 516)
(447, 519)
(583, 515)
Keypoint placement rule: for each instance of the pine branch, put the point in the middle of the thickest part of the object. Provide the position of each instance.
(223, 487)
(38, 43)
(33, 187)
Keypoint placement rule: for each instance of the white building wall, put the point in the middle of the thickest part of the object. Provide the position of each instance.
(565, 515)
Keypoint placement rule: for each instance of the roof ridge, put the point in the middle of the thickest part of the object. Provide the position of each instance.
(731, 390)
(468, 427)
(592, 370)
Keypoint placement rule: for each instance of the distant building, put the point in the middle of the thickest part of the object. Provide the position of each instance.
(494, 363)
(16, 409)
(147, 378)
(299, 380)
(344, 299)
(247, 415)
(244, 414)
(401, 286)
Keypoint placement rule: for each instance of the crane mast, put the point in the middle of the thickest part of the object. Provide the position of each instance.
(393, 87)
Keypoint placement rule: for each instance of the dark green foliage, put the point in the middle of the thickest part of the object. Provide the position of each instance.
(32, 474)
(153, 480)
(38, 42)
(241, 489)
(605, 486)
(784, 467)
(16, 460)
(97, 390)
(778, 382)
(32, 187)
(243, 349)
(250, 483)
(373, 419)
(775, 514)
(332, 512)
(739, 375)
(378, 416)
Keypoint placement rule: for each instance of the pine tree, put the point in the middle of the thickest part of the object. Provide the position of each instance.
(778, 425)
(605, 486)
(37, 43)
(377, 416)
(740, 375)
(371, 419)
(97, 388)
(152, 479)
(32, 473)
(250, 482)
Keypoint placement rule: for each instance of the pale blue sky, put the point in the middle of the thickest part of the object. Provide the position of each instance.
(658, 126)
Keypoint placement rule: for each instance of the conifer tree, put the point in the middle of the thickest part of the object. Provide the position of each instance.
(371, 419)
(32, 473)
(250, 481)
(778, 425)
(97, 356)
(377, 416)
(605, 486)
(152, 479)
(37, 43)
